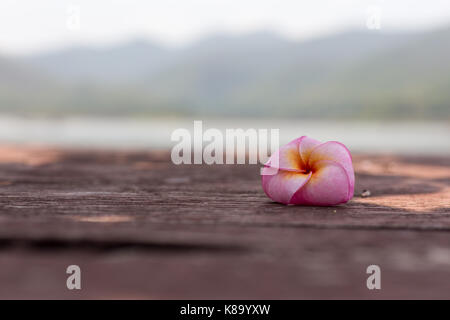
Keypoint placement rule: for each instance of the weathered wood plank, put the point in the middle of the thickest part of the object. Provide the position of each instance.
(142, 227)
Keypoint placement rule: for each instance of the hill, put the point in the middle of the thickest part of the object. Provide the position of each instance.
(356, 74)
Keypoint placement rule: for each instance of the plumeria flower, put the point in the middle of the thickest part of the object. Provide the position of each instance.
(308, 172)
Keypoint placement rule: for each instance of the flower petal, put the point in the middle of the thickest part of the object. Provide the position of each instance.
(328, 185)
(305, 147)
(282, 186)
(287, 157)
(337, 152)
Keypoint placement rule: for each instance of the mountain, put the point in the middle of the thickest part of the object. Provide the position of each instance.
(412, 78)
(114, 64)
(354, 74)
(24, 88)
(264, 74)
(14, 74)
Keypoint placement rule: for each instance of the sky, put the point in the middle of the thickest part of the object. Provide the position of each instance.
(29, 26)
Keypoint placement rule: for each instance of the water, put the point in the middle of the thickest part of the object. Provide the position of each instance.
(406, 138)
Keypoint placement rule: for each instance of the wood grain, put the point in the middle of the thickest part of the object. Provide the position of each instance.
(141, 227)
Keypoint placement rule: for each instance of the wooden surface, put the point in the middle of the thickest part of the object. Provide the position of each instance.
(140, 227)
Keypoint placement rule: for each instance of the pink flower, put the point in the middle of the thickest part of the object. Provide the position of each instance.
(308, 172)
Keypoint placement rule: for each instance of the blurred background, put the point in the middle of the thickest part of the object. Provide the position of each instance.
(373, 74)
